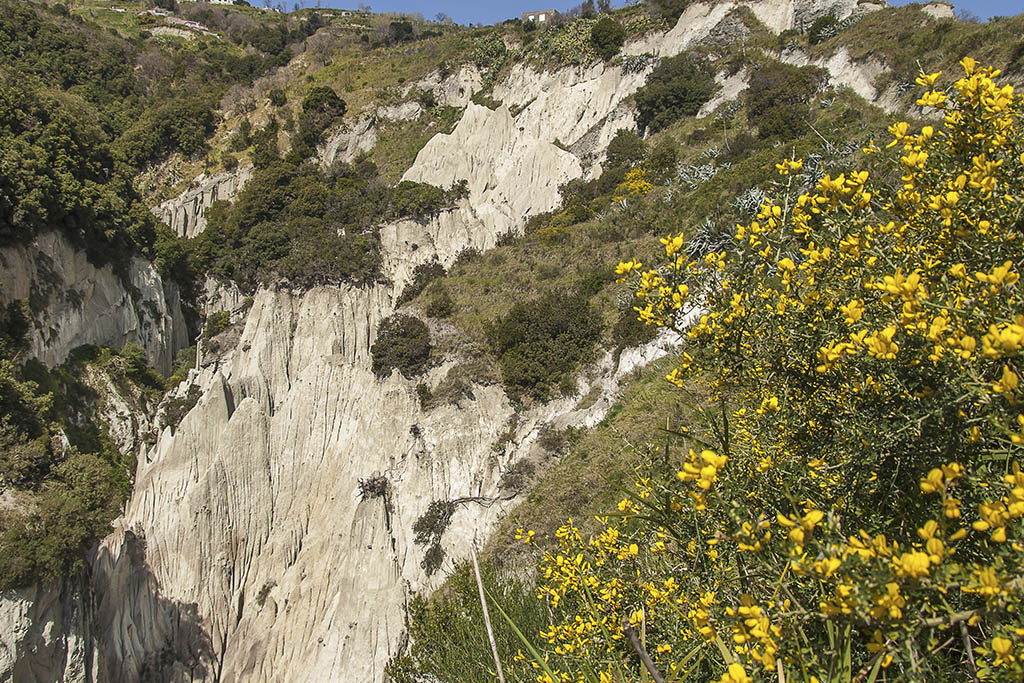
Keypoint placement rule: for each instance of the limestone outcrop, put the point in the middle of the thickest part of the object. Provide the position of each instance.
(939, 10)
(44, 633)
(74, 302)
(186, 213)
(455, 89)
(859, 76)
(353, 139)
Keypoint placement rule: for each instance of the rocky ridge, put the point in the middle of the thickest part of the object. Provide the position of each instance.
(75, 303)
(186, 213)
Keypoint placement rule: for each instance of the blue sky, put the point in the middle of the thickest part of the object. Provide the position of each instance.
(483, 12)
(984, 9)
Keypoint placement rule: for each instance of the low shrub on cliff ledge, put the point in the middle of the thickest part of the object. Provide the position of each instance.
(403, 343)
(679, 86)
(607, 36)
(541, 343)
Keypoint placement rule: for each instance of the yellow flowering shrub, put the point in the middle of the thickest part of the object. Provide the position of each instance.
(636, 184)
(851, 507)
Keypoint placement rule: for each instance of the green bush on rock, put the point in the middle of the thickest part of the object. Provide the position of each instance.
(607, 36)
(403, 343)
(541, 343)
(677, 87)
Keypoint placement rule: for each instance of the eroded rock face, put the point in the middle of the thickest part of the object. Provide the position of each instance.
(248, 519)
(186, 213)
(253, 521)
(844, 71)
(454, 89)
(43, 634)
(74, 302)
(939, 10)
(353, 139)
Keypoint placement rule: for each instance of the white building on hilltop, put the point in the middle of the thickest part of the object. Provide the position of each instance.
(540, 16)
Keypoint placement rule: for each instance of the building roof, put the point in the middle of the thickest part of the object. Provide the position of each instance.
(540, 11)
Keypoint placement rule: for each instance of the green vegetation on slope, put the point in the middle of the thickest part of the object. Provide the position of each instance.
(295, 222)
(58, 173)
(679, 86)
(60, 498)
(541, 343)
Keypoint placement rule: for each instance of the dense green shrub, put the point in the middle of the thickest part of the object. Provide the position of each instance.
(400, 32)
(541, 343)
(778, 99)
(412, 200)
(15, 320)
(135, 367)
(422, 275)
(677, 87)
(215, 324)
(627, 149)
(269, 39)
(420, 200)
(174, 260)
(242, 137)
(180, 125)
(292, 221)
(264, 142)
(277, 97)
(594, 280)
(25, 452)
(321, 109)
(403, 343)
(74, 507)
(607, 36)
(490, 52)
(440, 305)
(177, 408)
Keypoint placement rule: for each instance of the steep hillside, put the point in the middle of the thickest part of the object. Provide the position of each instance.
(386, 248)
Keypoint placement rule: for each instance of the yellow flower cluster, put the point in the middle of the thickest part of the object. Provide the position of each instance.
(854, 494)
(636, 184)
(703, 471)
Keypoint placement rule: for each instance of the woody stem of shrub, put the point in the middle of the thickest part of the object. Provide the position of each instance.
(487, 616)
(970, 651)
(634, 640)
